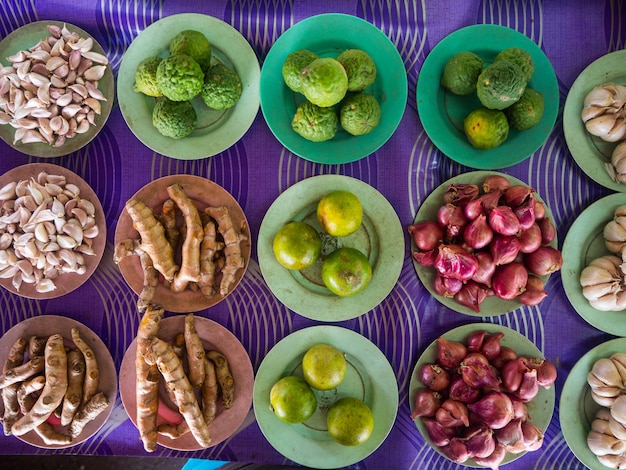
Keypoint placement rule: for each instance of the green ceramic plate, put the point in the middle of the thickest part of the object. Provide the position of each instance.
(380, 237)
(491, 306)
(26, 37)
(585, 242)
(576, 407)
(328, 35)
(216, 131)
(442, 113)
(540, 408)
(590, 152)
(369, 377)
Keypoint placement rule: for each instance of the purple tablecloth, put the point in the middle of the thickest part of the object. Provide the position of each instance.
(257, 169)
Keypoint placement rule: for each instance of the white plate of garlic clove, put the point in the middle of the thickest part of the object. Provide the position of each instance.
(56, 88)
(52, 231)
(591, 428)
(592, 279)
(595, 123)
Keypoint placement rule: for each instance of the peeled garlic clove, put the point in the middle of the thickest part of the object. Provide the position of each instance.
(600, 126)
(603, 444)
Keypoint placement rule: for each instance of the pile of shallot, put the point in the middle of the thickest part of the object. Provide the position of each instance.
(474, 405)
(490, 242)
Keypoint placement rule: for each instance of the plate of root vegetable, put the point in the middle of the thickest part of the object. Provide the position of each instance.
(484, 243)
(56, 88)
(59, 379)
(182, 242)
(185, 363)
(492, 374)
(52, 231)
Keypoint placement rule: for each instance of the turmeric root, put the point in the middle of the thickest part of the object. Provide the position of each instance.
(45, 430)
(179, 345)
(224, 377)
(168, 219)
(9, 393)
(131, 247)
(232, 247)
(53, 391)
(208, 248)
(36, 346)
(96, 405)
(172, 370)
(195, 352)
(190, 265)
(75, 378)
(153, 240)
(22, 372)
(92, 375)
(209, 392)
(147, 391)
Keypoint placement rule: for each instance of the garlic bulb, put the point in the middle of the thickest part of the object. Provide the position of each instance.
(618, 409)
(613, 461)
(601, 440)
(603, 112)
(615, 230)
(607, 380)
(617, 167)
(603, 284)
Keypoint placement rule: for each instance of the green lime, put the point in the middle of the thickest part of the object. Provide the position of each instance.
(350, 421)
(346, 271)
(297, 245)
(340, 213)
(486, 128)
(527, 112)
(292, 400)
(324, 367)
(461, 72)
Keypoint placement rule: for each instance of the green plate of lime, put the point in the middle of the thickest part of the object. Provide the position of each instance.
(369, 377)
(442, 112)
(328, 35)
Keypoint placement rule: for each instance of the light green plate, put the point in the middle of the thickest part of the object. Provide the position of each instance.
(216, 131)
(442, 113)
(540, 408)
(491, 306)
(584, 243)
(328, 35)
(369, 377)
(576, 407)
(590, 152)
(380, 238)
(23, 39)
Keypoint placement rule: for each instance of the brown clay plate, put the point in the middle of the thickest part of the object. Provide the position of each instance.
(45, 325)
(66, 282)
(214, 336)
(204, 193)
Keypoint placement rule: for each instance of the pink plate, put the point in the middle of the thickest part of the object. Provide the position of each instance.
(204, 193)
(214, 336)
(46, 325)
(67, 282)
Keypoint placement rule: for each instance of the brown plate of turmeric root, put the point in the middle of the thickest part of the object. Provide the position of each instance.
(58, 382)
(182, 242)
(187, 363)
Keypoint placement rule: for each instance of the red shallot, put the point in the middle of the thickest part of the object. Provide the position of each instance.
(494, 408)
(496, 182)
(548, 231)
(456, 450)
(495, 459)
(529, 387)
(477, 372)
(543, 261)
(503, 220)
(478, 234)
(525, 212)
(486, 268)
(453, 261)
(546, 372)
(509, 280)
(460, 193)
(534, 292)
(439, 435)
(435, 377)
(517, 194)
(447, 286)
(450, 353)
(471, 295)
(426, 404)
(462, 392)
(504, 249)
(530, 239)
(452, 413)
(426, 235)
(475, 340)
(480, 441)
(512, 373)
(491, 345)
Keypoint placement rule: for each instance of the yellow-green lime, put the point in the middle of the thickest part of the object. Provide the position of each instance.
(297, 245)
(324, 367)
(292, 400)
(340, 213)
(486, 128)
(350, 421)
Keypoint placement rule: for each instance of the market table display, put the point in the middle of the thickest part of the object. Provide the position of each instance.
(244, 160)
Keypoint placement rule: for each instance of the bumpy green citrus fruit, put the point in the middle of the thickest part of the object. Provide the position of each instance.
(175, 119)
(292, 400)
(360, 114)
(324, 367)
(500, 84)
(145, 77)
(194, 44)
(324, 82)
(315, 123)
(297, 245)
(486, 128)
(461, 72)
(521, 58)
(293, 65)
(346, 271)
(222, 87)
(527, 112)
(180, 77)
(360, 68)
(340, 213)
(350, 421)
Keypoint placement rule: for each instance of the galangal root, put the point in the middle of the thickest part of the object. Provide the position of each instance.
(195, 394)
(202, 252)
(41, 377)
